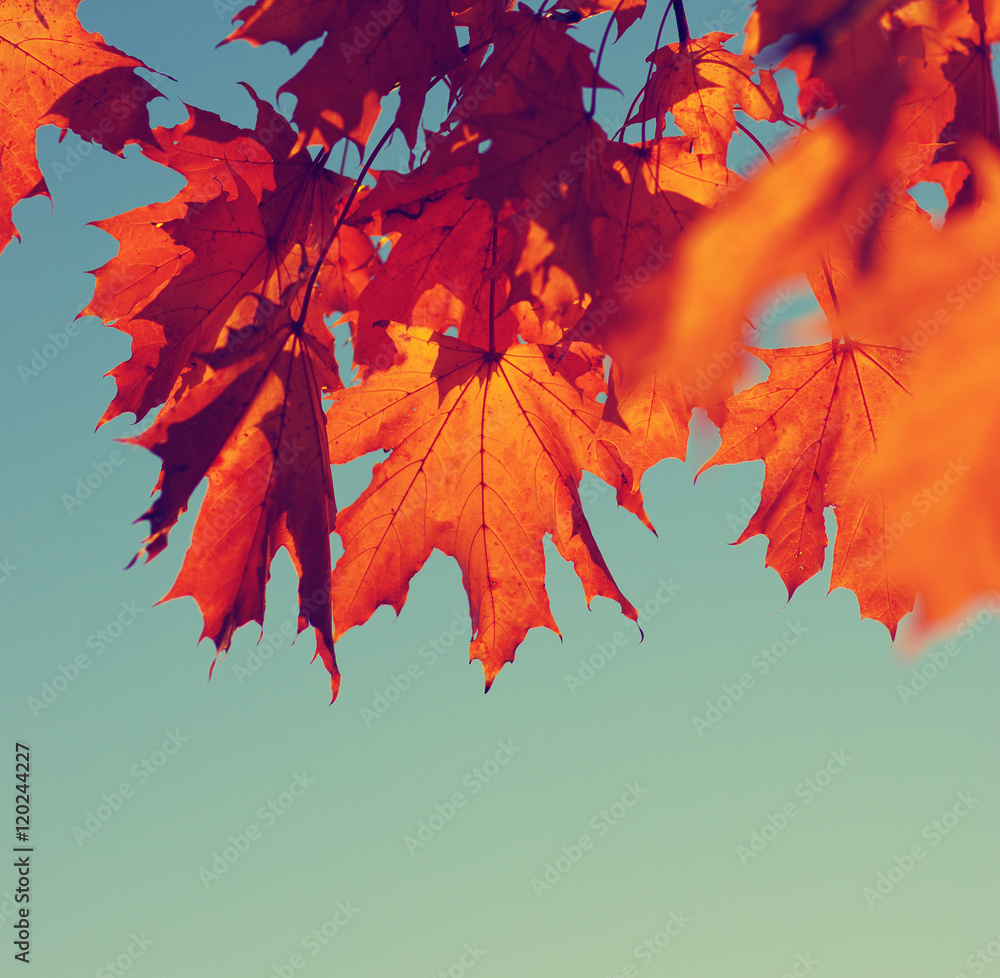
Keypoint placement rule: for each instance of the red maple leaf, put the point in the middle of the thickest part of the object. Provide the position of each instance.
(206, 259)
(254, 426)
(53, 72)
(370, 47)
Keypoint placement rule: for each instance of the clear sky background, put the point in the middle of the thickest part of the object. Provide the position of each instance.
(750, 835)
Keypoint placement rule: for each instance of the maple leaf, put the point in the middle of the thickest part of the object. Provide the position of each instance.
(554, 254)
(816, 423)
(692, 316)
(805, 19)
(645, 420)
(439, 270)
(487, 452)
(545, 155)
(225, 338)
(700, 84)
(370, 47)
(663, 188)
(880, 228)
(207, 258)
(442, 270)
(625, 12)
(957, 50)
(53, 72)
(937, 295)
(254, 425)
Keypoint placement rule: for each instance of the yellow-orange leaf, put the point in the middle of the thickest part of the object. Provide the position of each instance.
(816, 423)
(487, 452)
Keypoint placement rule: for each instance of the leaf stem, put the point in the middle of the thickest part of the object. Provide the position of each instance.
(600, 54)
(301, 318)
(683, 31)
(493, 291)
(649, 71)
(759, 144)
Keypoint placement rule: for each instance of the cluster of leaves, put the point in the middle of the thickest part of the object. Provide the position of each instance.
(554, 298)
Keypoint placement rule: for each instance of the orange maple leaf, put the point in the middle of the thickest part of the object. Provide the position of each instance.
(238, 233)
(816, 423)
(700, 84)
(937, 295)
(254, 426)
(487, 452)
(53, 72)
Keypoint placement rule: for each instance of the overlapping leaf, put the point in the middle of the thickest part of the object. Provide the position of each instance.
(370, 47)
(487, 452)
(254, 426)
(938, 462)
(53, 72)
(205, 259)
(225, 340)
(545, 156)
(773, 228)
(700, 84)
(558, 257)
(816, 424)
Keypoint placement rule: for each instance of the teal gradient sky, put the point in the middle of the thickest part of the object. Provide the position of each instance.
(821, 733)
